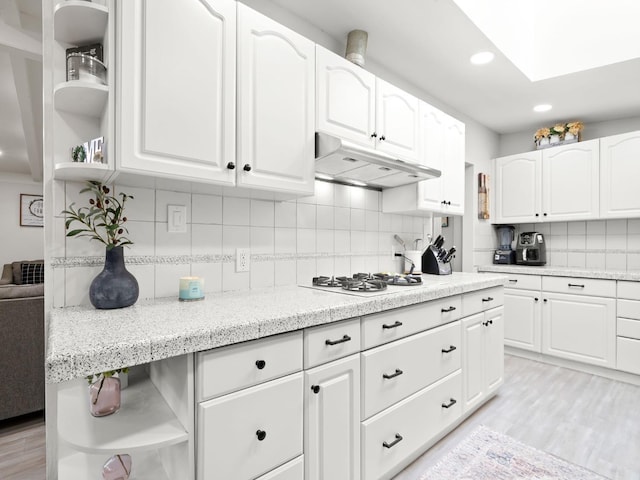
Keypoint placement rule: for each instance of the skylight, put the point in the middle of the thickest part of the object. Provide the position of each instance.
(547, 39)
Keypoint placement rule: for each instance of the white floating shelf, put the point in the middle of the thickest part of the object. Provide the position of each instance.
(79, 172)
(144, 466)
(144, 421)
(80, 97)
(79, 22)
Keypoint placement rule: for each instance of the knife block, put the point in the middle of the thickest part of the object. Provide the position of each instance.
(433, 265)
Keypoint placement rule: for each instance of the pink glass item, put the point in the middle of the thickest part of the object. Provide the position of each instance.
(118, 467)
(104, 396)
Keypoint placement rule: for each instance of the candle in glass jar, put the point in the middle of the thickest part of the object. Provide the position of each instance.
(191, 288)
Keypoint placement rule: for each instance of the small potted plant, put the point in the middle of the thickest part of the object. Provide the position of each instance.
(104, 392)
(557, 132)
(541, 136)
(103, 220)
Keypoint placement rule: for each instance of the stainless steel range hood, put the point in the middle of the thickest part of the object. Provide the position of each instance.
(347, 162)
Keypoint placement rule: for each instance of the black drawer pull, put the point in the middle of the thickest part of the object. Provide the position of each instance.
(513, 280)
(450, 349)
(452, 402)
(445, 310)
(394, 443)
(261, 364)
(488, 299)
(261, 434)
(397, 373)
(397, 324)
(346, 338)
(575, 285)
(315, 388)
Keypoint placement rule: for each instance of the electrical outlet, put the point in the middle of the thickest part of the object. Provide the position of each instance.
(243, 259)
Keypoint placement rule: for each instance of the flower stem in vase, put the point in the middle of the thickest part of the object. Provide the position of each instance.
(104, 396)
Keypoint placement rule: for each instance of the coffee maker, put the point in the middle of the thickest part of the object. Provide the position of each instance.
(504, 254)
(531, 249)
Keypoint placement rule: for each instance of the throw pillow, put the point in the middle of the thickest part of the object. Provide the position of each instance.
(32, 273)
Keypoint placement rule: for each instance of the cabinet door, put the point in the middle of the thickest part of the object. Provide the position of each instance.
(433, 131)
(453, 173)
(332, 420)
(473, 386)
(580, 328)
(522, 321)
(619, 173)
(518, 186)
(494, 349)
(397, 115)
(345, 98)
(570, 182)
(176, 96)
(276, 101)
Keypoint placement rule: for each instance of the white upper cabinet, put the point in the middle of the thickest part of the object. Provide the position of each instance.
(555, 184)
(397, 125)
(570, 182)
(345, 98)
(276, 106)
(619, 174)
(518, 191)
(176, 89)
(442, 146)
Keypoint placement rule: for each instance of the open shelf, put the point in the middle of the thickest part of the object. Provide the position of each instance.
(144, 466)
(78, 22)
(144, 421)
(79, 172)
(81, 97)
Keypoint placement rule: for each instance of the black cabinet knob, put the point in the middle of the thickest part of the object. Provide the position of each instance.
(544, 214)
(537, 214)
(315, 388)
(231, 165)
(536, 299)
(261, 364)
(261, 434)
(545, 300)
(247, 167)
(374, 135)
(382, 137)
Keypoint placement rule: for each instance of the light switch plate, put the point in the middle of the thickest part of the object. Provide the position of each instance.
(176, 218)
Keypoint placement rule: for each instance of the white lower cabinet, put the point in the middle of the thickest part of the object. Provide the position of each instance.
(247, 433)
(399, 432)
(483, 356)
(332, 420)
(294, 470)
(523, 319)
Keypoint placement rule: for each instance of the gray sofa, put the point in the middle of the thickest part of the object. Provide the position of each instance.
(21, 342)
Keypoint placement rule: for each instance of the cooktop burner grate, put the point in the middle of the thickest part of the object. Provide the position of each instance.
(368, 285)
(327, 281)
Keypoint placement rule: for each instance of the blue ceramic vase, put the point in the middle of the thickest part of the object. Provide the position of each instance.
(114, 287)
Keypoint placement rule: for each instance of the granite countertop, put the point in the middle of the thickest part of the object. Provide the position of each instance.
(562, 272)
(83, 340)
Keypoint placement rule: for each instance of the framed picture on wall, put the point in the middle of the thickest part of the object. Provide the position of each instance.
(31, 210)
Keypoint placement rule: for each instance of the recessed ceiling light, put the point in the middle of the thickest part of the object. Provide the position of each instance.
(0, 153)
(482, 58)
(322, 176)
(545, 107)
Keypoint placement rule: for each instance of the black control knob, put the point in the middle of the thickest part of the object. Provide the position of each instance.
(261, 364)
(247, 168)
(261, 434)
(231, 165)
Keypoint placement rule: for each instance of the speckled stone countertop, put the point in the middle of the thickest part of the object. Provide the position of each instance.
(561, 272)
(83, 340)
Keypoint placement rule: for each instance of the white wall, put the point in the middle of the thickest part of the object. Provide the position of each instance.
(16, 242)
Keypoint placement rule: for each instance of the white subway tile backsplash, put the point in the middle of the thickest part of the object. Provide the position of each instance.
(262, 274)
(325, 241)
(342, 241)
(577, 228)
(617, 226)
(212, 275)
(306, 240)
(306, 270)
(262, 240)
(596, 242)
(167, 279)
(596, 227)
(357, 219)
(285, 240)
(236, 211)
(595, 261)
(83, 246)
(306, 215)
(633, 242)
(324, 193)
(633, 262)
(372, 200)
(633, 226)
(558, 228)
(385, 222)
(262, 213)
(326, 266)
(342, 266)
(206, 239)
(396, 223)
(285, 214)
(143, 205)
(576, 259)
(77, 282)
(58, 286)
(576, 242)
(358, 242)
(145, 276)
(143, 235)
(557, 259)
(616, 242)
(325, 217)
(164, 198)
(170, 243)
(285, 273)
(342, 218)
(342, 196)
(206, 209)
(234, 237)
(556, 241)
(616, 261)
(371, 242)
(232, 280)
(358, 197)
(372, 220)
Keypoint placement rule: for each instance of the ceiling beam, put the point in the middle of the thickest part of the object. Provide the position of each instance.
(16, 42)
(28, 88)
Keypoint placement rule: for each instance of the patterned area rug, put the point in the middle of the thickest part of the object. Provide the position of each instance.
(489, 455)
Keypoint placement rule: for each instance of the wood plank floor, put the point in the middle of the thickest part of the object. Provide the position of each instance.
(585, 419)
(22, 448)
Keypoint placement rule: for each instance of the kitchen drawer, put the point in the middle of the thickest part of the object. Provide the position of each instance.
(628, 355)
(293, 470)
(411, 423)
(330, 342)
(523, 282)
(628, 328)
(385, 327)
(227, 369)
(476, 302)
(580, 286)
(394, 371)
(629, 309)
(231, 428)
(630, 290)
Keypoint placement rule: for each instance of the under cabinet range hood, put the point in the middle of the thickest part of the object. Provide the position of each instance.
(347, 162)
